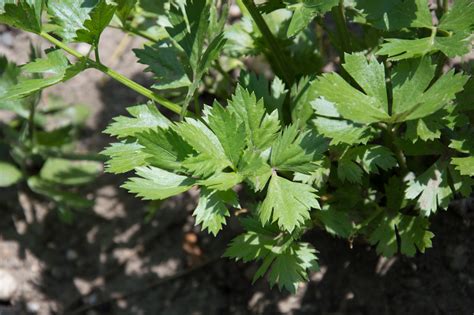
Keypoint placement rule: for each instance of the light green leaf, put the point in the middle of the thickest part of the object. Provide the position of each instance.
(144, 118)
(55, 66)
(70, 16)
(465, 165)
(457, 44)
(460, 17)
(432, 189)
(351, 103)
(221, 181)
(124, 157)
(211, 211)
(165, 148)
(370, 75)
(229, 130)
(342, 131)
(9, 174)
(412, 99)
(287, 203)
(211, 157)
(157, 184)
(255, 169)
(69, 172)
(297, 151)
(261, 127)
(303, 93)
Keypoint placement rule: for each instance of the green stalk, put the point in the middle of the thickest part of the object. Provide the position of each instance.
(342, 30)
(116, 76)
(135, 31)
(399, 155)
(275, 50)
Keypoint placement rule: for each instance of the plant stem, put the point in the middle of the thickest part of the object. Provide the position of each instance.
(402, 161)
(445, 5)
(97, 55)
(275, 50)
(341, 25)
(116, 76)
(136, 31)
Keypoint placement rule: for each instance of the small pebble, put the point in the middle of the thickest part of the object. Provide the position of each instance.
(71, 254)
(8, 285)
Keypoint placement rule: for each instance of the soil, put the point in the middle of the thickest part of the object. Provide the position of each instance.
(110, 260)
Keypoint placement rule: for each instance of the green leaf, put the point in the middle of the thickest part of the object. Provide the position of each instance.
(303, 93)
(221, 181)
(291, 267)
(305, 11)
(69, 172)
(456, 23)
(65, 198)
(124, 157)
(390, 15)
(261, 127)
(336, 222)
(288, 261)
(164, 60)
(457, 44)
(465, 165)
(273, 93)
(10, 174)
(370, 75)
(189, 28)
(425, 129)
(124, 9)
(229, 130)
(164, 148)
(9, 75)
(370, 158)
(349, 171)
(412, 231)
(210, 54)
(412, 99)
(342, 131)
(330, 124)
(144, 118)
(459, 18)
(55, 65)
(157, 184)
(70, 16)
(432, 189)
(287, 203)
(211, 156)
(351, 103)
(22, 14)
(297, 151)
(99, 19)
(211, 211)
(255, 169)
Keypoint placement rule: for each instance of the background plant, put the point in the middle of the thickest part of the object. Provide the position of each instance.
(38, 145)
(372, 150)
